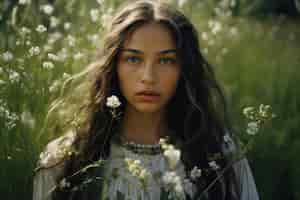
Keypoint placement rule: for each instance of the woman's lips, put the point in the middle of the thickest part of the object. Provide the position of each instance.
(148, 97)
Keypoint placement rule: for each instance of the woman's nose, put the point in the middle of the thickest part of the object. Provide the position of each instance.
(148, 75)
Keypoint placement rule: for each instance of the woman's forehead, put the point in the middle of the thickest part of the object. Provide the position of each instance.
(152, 37)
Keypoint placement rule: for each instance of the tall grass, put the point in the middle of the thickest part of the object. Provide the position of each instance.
(255, 60)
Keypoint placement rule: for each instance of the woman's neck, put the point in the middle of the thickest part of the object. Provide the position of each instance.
(143, 128)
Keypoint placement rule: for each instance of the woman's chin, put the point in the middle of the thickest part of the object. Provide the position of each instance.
(148, 108)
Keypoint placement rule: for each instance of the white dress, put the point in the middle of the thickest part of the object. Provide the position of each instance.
(51, 169)
(121, 180)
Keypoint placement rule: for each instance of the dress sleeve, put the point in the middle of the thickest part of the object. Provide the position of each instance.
(45, 181)
(245, 180)
(50, 167)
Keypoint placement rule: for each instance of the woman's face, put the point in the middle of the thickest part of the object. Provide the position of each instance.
(148, 68)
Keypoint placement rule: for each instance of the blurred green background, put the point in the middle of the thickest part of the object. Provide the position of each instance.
(254, 46)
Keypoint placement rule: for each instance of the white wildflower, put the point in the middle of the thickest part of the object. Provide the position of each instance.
(232, 3)
(204, 36)
(24, 2)
(136, 169)
(48, 65)
(94, 14)
(249, 112)
(172, 182)
(213, 164)
(7, 56)
(252, 128)
(47, 9)
(226, 138)
(178, 188)
(12, 118)
(162, 142)
(14, 76)
(67, 25)
(172, 155)
(28, 42)
(189, 187)
(53, 57)
(169, 177)
(71, 40)
(100, 2)
(264, 110)
(34, 51)
(54, 86)
(113, 102)
(215, 26)
(195, 173)
(24, 31)
(41, 28)
(18, 42)
(54, 22)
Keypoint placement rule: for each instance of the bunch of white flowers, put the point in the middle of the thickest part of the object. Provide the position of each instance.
(47, 9)
(170, 152)
(252, 128)
(54, 22)
(172, 182)
(95, 15)
(213, 164)
(41, 28)
(195, 173)
(7, 56)
(257, 117)
(34, 51)
(48, 65)
(113, 102)
(137, 170)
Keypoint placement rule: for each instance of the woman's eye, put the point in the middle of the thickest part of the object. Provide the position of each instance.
(132, 59)
(167, 60)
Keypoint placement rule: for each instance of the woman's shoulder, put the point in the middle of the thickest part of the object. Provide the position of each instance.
(56, 151)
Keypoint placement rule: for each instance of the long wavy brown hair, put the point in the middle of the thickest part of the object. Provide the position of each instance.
(197, 113)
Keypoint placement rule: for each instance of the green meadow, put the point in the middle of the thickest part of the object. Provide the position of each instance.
(256, 59)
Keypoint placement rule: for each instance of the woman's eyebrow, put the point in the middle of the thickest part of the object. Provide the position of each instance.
(166, 51)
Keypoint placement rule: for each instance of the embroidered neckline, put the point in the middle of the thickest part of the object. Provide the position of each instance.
(137, 148)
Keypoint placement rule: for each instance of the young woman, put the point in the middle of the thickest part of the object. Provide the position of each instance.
(151, 61)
